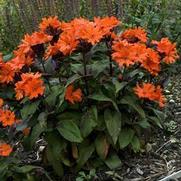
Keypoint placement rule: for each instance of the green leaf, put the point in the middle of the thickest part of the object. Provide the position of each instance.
(101, 97)
(135, 144)
(160, 117)
(77, 68)
(125, 137)
(54, 150)
(75, 116)
(70, 131)
(52, 97)
(156, 120)
(65, 159)
(99, 66)
(49, 66)
(55, 143)
(29, 109)
(56, 146)
(85, 152)
(159, 114)
(113, 161)
(42, 117)
(8, 94)
(8, 57)
(119, 85)
(56, 164)
(39, 128)
(61, 100)
(144, 123)
(88, 121)
(102, 146)
(101, 126)
(132, 103)
(25, 169)
(113, 123)
(72, 79)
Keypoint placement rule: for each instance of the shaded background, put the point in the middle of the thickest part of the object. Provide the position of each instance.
(159, 17)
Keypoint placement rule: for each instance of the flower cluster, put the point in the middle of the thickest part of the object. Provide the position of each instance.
(133, 48)
(30, 86)
(52, 47)
(6, 71)
(72, 95)
(5, 149)
(150, 92)
(7, 118)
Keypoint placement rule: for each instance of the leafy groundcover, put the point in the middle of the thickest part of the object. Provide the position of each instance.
(86, 89)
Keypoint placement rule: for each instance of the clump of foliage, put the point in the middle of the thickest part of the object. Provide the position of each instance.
(86, 90)
(160, 17)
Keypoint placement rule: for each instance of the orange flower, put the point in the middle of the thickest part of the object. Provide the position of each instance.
(66, 43)
(158, 96)
(36, 38)
(51, 51)
(76, 25)
(31, 86)
(134, 35)
(138, 52)
(150, 92)
(152, 62)
(106, 24)
(122, 54)
(6, 73)
(7, 118)
(19, 62)
(24, 50)
(1, 102)
(5, 149)
(126, 54)
(168, 49)
(91, 33)
(72, 95)
(50, 24)
(84, 29)
(145, 91)
(26, 131)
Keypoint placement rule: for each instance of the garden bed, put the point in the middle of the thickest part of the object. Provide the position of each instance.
(84, 100)
(160, 156)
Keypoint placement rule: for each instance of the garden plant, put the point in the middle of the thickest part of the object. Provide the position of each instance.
(88, 89)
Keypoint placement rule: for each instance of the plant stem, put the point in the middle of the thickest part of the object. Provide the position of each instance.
(110, 65)
(44, 172)
(110, 60)
(85, 73)
(42, 62)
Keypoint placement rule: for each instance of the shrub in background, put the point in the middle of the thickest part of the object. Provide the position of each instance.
(87, 91)
(160, 17)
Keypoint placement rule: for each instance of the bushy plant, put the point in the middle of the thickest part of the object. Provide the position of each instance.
(86, 90)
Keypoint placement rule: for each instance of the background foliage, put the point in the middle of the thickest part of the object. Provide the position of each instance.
(161, 17)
